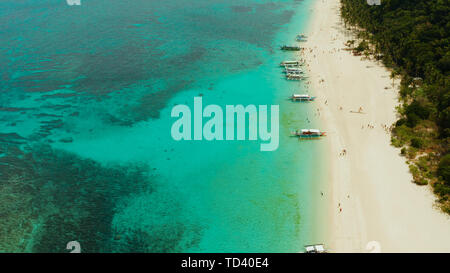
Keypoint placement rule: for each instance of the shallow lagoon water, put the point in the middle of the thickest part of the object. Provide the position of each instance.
(94, 99)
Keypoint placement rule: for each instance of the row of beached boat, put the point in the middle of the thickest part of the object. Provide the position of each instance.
(294, 71)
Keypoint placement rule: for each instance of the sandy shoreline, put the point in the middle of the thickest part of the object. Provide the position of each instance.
(371, 183)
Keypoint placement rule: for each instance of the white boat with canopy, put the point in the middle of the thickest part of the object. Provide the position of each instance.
(297, 63)
(319, 248)
(293, 69)
(302, 97)
(309, 133)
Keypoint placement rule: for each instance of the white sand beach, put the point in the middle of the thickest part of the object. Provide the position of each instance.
(371, 183)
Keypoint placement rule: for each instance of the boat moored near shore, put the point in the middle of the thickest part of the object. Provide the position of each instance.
(302, 97)
(309, 133)
(293, 70)
(292, 63)
(301, 38)
(295, 76)
(290, 48)
(319, 248)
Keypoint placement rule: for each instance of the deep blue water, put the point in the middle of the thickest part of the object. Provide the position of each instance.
(85, 147)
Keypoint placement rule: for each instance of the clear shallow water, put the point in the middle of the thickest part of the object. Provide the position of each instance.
(86, 96)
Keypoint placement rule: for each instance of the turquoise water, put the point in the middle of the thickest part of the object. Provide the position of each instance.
(86, 151)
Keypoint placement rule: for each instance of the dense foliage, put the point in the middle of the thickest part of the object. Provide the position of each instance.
(413, 39)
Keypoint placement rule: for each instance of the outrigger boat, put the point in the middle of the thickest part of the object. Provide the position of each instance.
(309, 133)
(292, 63)
(295, 76)
(302, 97)
(293, 67)
(290, 48)
(293, 71)
(301, 38)
(319, 248)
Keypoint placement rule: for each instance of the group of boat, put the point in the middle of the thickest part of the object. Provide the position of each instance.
(294, 71)
(299, 38)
